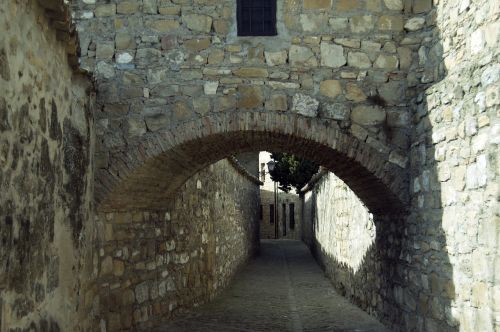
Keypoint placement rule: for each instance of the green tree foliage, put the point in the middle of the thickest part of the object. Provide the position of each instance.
(292, 171)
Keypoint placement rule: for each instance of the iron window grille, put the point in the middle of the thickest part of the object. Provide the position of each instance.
(256, 17)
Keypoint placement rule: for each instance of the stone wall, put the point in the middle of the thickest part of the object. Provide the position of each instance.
(160, 63)
(452, 234)
(340, 226)
(46, 175)
(444, 266)
(353, 246)
(159, 264)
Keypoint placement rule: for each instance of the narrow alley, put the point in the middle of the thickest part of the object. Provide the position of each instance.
(283, 289)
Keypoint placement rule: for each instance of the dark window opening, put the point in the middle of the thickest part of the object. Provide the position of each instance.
(271, 214)
(292, 216)
(284, 218)
(256, 17)
(261, 212)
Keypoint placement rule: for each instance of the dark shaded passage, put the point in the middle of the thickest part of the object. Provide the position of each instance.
(281, 290)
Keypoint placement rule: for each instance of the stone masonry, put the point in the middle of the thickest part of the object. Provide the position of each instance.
(350, 244)
(158, 265)
(398, 98)
(46, 173)
(160, 64)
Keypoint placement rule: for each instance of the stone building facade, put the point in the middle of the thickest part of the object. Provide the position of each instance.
(284, 223)
(399, 98)
(160, 65)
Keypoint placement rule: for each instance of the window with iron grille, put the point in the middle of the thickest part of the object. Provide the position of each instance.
(256, 17)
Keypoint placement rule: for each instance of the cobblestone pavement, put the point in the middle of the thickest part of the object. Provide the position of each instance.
(283, 289)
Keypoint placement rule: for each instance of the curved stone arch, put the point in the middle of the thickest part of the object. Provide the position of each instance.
(142, 176)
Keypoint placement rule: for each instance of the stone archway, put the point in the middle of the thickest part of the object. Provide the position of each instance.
(142, 176)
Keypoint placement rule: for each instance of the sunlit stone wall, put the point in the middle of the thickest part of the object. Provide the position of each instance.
(343, 226)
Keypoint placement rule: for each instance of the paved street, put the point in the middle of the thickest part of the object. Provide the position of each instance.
(281, 290)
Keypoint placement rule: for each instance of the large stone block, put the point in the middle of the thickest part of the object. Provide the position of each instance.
(312, 22)
(124, 41)
(421, 6)
(105, 51)
(355, 93)
(394, 4)
(358, 60)
(250, 97)
(301, 56)
(276, 58)
(197, 22)
(277, 102)
(305, 105)
(361, 24)
(197, 45)
(127, 7)
(105, 10)
(387, 62)
(368, 115)
(330, 88)
(332, 55)
(390, 23)
(339, 111)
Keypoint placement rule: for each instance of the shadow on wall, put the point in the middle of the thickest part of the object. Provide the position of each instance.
(406, 277)
(401, 275)
(156, 265)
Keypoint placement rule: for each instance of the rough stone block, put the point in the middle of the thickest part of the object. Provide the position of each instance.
(150, 6)
(394, 4)
(197, 22)
(250, 97)
(358, 60)
(301, 56)
(415, 23)
(330, 88)
(124, 41)
(332, 55)
(127, 7)
(361, 24)
(105, 10)
(390, 23)
(305, 105)
(210, 88)
(355, 93)
(347, 5)
(277, 103)
(105, 51)
(368, 115)
(312, 22)
(421, 6)
(197, 45)
(276, 58)
(338, 111)
(387, 62)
